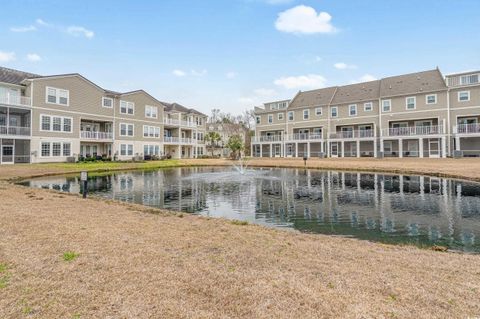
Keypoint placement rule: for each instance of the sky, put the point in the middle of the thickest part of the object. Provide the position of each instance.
(236, 54)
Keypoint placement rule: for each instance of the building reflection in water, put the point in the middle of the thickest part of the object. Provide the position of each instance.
(384, 207)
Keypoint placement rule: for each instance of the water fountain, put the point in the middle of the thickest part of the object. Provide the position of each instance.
(242, 165)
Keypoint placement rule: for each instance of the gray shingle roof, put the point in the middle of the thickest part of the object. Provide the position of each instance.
(313, 98)
(14, 76)
(413, 83)
(357, 92)
(175, 107)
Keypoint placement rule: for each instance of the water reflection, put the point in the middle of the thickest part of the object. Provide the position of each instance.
(389, 208)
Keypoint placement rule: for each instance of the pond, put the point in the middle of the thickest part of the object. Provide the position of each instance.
(397, 209)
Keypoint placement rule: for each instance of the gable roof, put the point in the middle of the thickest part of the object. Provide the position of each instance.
(15, 76)
(357, 92)
(175, 107)
(313, 98)
(413, 83)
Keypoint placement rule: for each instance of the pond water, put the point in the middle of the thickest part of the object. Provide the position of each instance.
(389, 208)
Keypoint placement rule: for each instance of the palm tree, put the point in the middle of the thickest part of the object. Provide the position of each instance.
(213, 138)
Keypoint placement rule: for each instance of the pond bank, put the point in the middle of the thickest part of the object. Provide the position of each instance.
(133, 261)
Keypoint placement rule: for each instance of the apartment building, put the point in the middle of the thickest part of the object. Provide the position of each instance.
(422, 114)
(65, 117)
(225, 130)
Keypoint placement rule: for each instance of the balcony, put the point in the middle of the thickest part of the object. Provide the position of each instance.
(413, 131)
(15, 100)
(267, 138)
(175, 122)
(303, 137)
(96, 136)
(14, 130)
(473, 128)
(178, 140)
(352, 134)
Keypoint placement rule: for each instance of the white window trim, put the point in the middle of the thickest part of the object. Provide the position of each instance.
(362, 127)
(336, 112)
(318, 109)
(151, 107)
(258, 120)
(423, 121)
(126, 131)
(57, 96)
(389, 108)
(280, 118)
(414, 103)
(365, 106)
(148, 131)
(61, 123)
(308, 114)
(426, 99)
(270, 116)
(128, 102)
(356, 110)
(103, 103)
(293, 116)
(388, 143)
(460, 92)
(467, 118)
(126, 149)
(62, 143)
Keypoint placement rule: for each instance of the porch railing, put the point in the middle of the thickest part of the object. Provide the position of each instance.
(303, 137)
(352, 134)
(175, 122)
(17, 100)
(467, 128)
(15, 130)
(93, 135)
(413, 131)
(178, 140)
(267, 138)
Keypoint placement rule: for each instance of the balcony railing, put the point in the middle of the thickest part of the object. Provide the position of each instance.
(352, 134)
(92, 135)
(473, 128)
(267, 138)
(303, 137)
(413, 131)
(16, 100)
(178, 140)
(175, 122)
(15, 130)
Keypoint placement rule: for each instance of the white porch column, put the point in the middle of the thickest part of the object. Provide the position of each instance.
(322, 147)
(457, 143)
(308, 149)
(358, 148)
(420, 147)
(271, 146)
(444, 147)
(328, 148)
(382, 146)
(296, 149)
(179, 151)
(251, 148)
(375, 148)
(400, 148)
(261, 150)
(343, 148)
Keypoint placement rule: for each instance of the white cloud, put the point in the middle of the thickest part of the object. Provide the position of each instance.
(24, 29)
(246, 100)
(264, 92)
(231, 75)
(7, 56)
(178, 73)
(310, 81)
(367, 77)
(303, 19)
(42, 23)
(199, 73)
(344, 66)
(318, 59)
(33, 57)
(80, 31)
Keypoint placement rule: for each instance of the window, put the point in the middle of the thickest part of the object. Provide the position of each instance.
(126, 129)
(306, 114)
(151, 149)
(410, 103)
(464, 96)
(352, 110)
(45, 149)
(67, 149)
(56, 149)
(107, 102)
(386, 105)
(126, 149)
(151, 131)
(258, 119)
(290, 116)
(55, 123)
(431, 99)
(280, 116)
(334, 111)
(368, 107)
(45, 120)
(127, 107)
(151, 111)
(318, 111)
(469, 79)
(282, 105)
(270, 118)
(57, 96)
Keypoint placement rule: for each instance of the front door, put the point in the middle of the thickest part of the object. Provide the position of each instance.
(277, 148)
(433, 148)
(334, 149)
(412, 148)
(7, 154)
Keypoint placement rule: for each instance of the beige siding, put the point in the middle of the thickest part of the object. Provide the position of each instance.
(474, 97)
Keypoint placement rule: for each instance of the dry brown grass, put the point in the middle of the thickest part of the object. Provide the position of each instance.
(133, 263)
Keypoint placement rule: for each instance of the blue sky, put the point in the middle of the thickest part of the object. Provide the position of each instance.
(234, 54)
